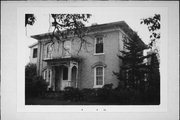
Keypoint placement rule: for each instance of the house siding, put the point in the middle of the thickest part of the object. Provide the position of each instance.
(110, 58)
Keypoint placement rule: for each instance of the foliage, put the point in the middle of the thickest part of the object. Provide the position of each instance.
(30, 71)
(88, 94)
(133, 68)
(29, 19)
(72, 94)
(70, 25)
(153, 91)
(105, 95)
(66, 26)
(138, 81)
(34, 85)
(153, 24)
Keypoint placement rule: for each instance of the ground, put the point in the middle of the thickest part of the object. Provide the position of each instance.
(45, 101)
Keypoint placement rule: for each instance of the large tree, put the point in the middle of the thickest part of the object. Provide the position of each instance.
(153, 24)
(64, 26)
(34, 85)
(133, 68)
(153, 91)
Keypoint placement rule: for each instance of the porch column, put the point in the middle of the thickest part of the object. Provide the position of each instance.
(76, 76)
(50, 81)
(53, 79)
(69, 74)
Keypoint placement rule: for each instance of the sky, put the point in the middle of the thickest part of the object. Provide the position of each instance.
(131, 15)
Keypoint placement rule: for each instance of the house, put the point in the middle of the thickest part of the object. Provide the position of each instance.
(91, 67)
(33, 53)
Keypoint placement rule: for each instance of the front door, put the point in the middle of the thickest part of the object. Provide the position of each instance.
(57, 78)
(64, 78)
(74, 77)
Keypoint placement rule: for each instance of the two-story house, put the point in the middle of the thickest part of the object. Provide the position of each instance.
(94, 64)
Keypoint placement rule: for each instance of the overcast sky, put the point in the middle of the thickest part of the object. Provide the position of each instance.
(131, 15)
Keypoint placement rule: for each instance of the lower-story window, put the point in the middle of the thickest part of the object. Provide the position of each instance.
(98, 76)
(47, 75)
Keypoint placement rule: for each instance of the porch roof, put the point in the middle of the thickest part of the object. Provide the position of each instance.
(77, 59)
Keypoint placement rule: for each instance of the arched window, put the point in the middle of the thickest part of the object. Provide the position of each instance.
(49, 51)
(47, 74)
(98, 76)
(74, 72)
(74, 76)
(67, 48)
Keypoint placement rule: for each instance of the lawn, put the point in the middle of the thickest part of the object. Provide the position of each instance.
(45, 101)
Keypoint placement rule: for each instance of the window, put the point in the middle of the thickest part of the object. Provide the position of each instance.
(35, 53)
(67, 48)
(99, 45)
(99, 76)
(127, 74)
(47, 75)
(49, 51)
(65, 73)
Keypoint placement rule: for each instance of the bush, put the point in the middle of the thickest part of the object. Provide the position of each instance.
(34, 85)
(72, 94)
(89, 95)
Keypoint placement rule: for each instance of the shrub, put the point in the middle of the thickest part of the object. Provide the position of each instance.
(89, 95)
(104, 93)
(108, 86)
(34, 85)
(72, 94)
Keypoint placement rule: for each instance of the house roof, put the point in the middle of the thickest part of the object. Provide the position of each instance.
(34, 44)
(120, 24)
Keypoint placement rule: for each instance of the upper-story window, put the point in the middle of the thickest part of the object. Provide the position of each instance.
(49, 51)
(99, 45)
(35, 53)
(67, 48)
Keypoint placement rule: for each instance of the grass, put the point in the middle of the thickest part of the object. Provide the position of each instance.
(45, 101)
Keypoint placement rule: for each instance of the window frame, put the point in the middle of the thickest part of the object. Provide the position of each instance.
(47, 74)
(35, 55)
(95, 80)
(96, 43)
(63, 73)
(48, 54)
(65, 53)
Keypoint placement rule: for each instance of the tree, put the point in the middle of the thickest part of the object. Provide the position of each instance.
(29, 19)
(153, 24)
(153, 91)
(34, 85)
(66, 26)
(133, 68)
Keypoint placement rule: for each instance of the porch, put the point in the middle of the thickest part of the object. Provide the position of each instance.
(63, 73)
